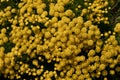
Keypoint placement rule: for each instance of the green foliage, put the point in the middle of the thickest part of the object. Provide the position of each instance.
(8, 46)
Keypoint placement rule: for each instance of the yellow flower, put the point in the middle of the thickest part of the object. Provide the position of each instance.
(35, 62)
(112, 72)
(65, 19)
(102, 67)
(8, 8)
(29, 10)
(39, 71)
(3, 30)
(44, 14)
(1, 42)
(47, 35)
(80, 58)
(91, 53)
(117, 28)
(65, 2)
(13, 10)
(68, 12)
(5, 39)
(1, 64)
(54, 19)
(39, 11)
(61, 9)
(104, 72)
(84, 11)
(90, 42)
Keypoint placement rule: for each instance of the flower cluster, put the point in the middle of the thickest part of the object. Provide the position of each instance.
(51, 42)
(96, 11)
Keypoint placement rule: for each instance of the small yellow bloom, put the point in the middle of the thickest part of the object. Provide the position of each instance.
(90, 42)
(39, 11)
(69, 13)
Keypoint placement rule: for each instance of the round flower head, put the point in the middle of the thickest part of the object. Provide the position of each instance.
(117, 28)
(69, 13)
(90, 42)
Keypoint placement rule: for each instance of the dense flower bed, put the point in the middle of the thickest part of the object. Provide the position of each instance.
(59, 40)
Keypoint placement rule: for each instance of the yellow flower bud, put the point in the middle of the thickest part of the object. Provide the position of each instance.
(65, 2)
(117, 69)
(112, 65)
(29, 10)
(22, 69)
(105, 78)
(2, 35)
(39, 11)
(3, 30)
(80, 58)
(112, 72)
(77, 31)
(47, 35)
(5, 39)
(84, 11)
(80, 20)
(44, 14)
(84, 35)
(78, 71)
(91, 53)
(115, 43)
(106, 3)
(39, 71)
(97, 49)
(20, 5)
(117, 28)
(35, 62)
(53, 30)
(84, 30)
(104, 72)
(1, 64)
(96, 58)
(74, 76)
(106, 34)
(60, 9)
(102, 67)
(90, 33)
(43, 5)
(69, 13)
(81, 77)
(99, 42)
(13, 10)
(51, 12)
(65, 19)
(63, 39)
(54, 20)
(53, 39)
(1, 42)
(69, 73)
(88, 23)
(84, 71)
(29, 32)
(15, 22)
(90, 42)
